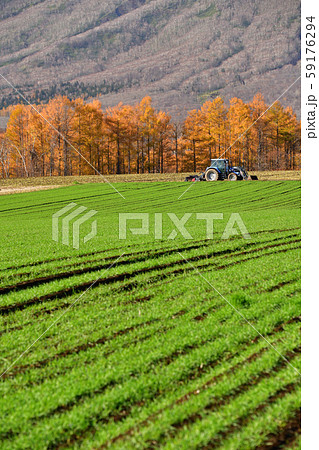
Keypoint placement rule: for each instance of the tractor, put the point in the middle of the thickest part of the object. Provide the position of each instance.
(221, 169)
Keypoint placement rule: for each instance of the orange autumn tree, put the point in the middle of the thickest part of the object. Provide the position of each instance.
(282, 137)
(215, 126)
(119, 128)
(4, 157)
(147, 118)
(259, 131)
(18, 140)
(239, 123)
(192, 138)
(162, 142)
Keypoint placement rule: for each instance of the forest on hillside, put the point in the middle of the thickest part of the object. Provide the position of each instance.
(70, 137)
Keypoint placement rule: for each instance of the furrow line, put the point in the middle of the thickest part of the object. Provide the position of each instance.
(64, 275)
(7, 309)
(217, 403)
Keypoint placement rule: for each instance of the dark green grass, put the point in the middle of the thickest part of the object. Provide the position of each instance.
(151, 356)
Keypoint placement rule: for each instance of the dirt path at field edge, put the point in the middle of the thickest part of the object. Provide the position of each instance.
(19, 190)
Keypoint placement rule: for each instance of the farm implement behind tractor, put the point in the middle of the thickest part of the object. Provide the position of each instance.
(220, 169)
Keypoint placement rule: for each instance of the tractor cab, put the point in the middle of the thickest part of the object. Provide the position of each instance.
(222, 166)
(218, 169)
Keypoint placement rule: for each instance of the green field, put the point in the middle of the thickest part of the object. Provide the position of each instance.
(153, 355)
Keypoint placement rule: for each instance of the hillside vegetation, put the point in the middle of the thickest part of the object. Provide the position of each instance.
(179, 52)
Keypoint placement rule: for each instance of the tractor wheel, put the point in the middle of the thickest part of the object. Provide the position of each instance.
(211, 175)
(232, 177)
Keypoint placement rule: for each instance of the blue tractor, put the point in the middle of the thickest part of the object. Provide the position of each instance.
(221, 169)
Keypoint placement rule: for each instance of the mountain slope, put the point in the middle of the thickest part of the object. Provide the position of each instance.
(180, 52)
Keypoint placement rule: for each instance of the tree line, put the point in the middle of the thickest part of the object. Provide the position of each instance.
(70, 90)
(71, 137)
